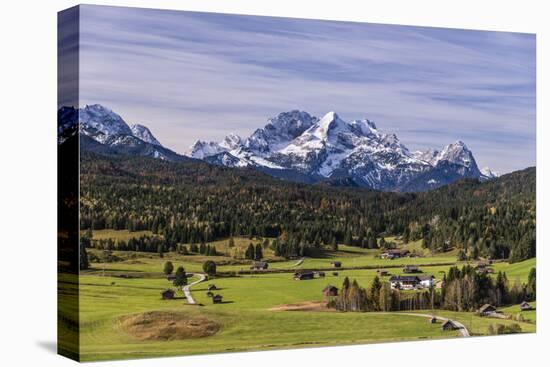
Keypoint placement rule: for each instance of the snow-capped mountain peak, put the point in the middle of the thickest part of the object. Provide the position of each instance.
(428, 156)
(457, 153)
(143, 133)
(202, 149)
(106, 127)
(279, 131)
(330, 122)
(487, 172)
(331, 147)
(231, 141)
(100, 122)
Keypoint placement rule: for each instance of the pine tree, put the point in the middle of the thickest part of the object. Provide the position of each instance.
(385, 298)
(258, 252)
(532, 284)
(334, 244)
(181, 277)
(168, 267)
(374, 294)
(250, 252)
(209, 267)
(83, 257)
(348, 239)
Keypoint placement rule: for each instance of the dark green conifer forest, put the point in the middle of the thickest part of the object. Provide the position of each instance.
(194, 202)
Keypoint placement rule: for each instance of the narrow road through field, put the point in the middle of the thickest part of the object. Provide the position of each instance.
(461, 328)
(298, 263)
(187, 291)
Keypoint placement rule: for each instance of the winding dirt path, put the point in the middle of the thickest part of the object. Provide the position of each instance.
(187, 291)
(298, 263)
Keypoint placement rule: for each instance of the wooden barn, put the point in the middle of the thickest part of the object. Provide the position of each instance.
(383, 272)
(330, 291)
(304, 275)
(259, 265)
(524, 306)
(168, 294)
(394, 254)
(448, 325)
(410, 269)
(487, 310)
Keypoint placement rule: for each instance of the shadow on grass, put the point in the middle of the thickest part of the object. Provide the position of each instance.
(206, 289)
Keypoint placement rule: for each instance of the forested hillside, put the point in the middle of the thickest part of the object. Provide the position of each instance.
(193, 202)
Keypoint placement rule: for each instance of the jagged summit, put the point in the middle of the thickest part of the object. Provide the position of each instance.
(488, 173)
(297, 146)
(107, 131)
(143, 132)
(330, 147)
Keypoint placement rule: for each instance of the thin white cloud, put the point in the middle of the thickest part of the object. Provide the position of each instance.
(191, 75)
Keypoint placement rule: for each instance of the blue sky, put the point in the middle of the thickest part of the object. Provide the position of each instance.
(197, 75)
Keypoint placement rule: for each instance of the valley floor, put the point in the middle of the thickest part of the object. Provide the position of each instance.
(252, 315)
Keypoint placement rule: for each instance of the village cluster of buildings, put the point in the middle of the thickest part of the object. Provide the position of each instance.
(409, 282)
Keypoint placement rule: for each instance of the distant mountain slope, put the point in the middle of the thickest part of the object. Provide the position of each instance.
(103, 131)
(293, 146)
(194, 201)
(331, 148)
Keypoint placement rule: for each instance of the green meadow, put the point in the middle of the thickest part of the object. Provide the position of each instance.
(248, 323)
(250, 316)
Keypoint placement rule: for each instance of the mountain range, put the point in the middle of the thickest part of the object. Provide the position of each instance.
(293, 145)
(104, 131)
(296, 144)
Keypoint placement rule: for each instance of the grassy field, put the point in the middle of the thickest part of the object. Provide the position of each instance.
(247, 316)
(514, 310)
(478, 325)
(349, 257)
(518, 271)
(248, 323)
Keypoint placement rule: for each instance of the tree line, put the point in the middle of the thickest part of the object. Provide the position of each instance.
(462, 290)
(193, 202)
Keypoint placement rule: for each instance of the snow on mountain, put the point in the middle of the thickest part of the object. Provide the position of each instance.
(143, 133)
(333, 148)
(428, 156)
(487, 172)
(279, 131)
(204, 149)
(456, 153)
(100, 123)
(109, 129)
